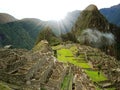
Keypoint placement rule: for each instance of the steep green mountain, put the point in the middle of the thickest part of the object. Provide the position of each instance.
(47, 34)
(91, 18)
(100, 28)
(112, 14)
(5, 18)
(29, 28)
(13, 33)
(32, 26)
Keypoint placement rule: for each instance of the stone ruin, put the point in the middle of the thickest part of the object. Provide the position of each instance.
(109, 65)
(81, 81)
(30, 69)
(27, 70)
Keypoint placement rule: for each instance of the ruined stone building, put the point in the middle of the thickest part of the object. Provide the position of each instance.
(27, 70)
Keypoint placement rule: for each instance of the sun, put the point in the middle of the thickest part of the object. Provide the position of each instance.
(52, 16)
(46, 10)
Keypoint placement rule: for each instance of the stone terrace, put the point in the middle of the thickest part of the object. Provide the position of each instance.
(109, 65)
(57, 76)
(81, 81)
(36, 70)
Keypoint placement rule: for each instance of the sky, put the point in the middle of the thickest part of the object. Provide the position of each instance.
(49, 9)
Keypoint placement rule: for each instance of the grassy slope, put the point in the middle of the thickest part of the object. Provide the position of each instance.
(94, 76)
(65, 55)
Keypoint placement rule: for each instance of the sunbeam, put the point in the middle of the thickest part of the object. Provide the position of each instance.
(48, 9)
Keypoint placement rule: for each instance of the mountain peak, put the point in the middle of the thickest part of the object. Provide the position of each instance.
(5, 18)
(91, 7)
(91, 18)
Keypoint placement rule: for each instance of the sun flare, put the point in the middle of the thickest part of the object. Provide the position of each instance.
(57, 16)
(48, 9)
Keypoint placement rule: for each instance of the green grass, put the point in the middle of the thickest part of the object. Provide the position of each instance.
(42, 88)
(81, 60)
(110, 89)
(67, 82)
(57, 47)
(97, 88)
(84, 65)
(81, 55)
(65, 52)
(73, 49)
(4, 87)
(65, 55)
(94, 75)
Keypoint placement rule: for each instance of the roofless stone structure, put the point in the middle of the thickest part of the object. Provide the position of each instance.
(27, 70)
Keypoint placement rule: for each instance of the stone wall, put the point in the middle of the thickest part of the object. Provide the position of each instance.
(81, 81)
(109, 65)
(33, 70)
(57, 77)
(21, 69)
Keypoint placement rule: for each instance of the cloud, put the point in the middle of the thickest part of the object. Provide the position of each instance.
(96, 38)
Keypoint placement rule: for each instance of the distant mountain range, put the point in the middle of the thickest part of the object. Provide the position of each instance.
(14, 34)
(5, 18)
(112, 14)
(23, 33)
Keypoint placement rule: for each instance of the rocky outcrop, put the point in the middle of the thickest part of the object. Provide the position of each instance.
(91, 7)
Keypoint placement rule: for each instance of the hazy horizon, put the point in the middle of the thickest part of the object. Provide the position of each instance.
(48, 9)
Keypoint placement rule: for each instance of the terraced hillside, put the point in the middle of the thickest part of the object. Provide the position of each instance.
(73, 69)
(103, 70)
